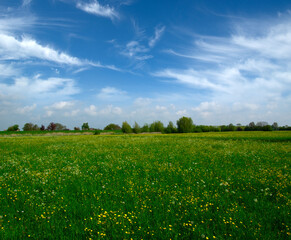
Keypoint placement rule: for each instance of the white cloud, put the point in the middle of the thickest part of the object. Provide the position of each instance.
(252, 71)
(27, 48)
(7, 70)
(16, 24)
(110, 109)
(26, 2)
(91, 110)
(140, 47)
(161, 108)
(37, 88)
(142, 102)
(62, 105)
(97, 9)
(26, 109)
(72, 113)
(134, 49)
(16, 46)
(189, 77)
(158, 34)
(182, 113)
(112, 94)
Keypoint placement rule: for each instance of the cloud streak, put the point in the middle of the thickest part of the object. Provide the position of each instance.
(242, 67)
(97, 9)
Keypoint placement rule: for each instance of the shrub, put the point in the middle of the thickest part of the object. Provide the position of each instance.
(112, 126)
(97, 132)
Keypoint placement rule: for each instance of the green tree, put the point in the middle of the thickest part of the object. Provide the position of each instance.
(126, 127)
(59, 127)
(171, 128)
(13, 128)
(112, 126)
(275, 126)
(136, 128)
(185, 125)
(157, 126)
(145, 128)
(85, 126)
(30, 127)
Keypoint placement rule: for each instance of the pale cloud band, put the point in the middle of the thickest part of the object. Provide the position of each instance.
(97, 9)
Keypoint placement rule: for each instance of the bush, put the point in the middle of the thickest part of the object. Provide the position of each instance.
(97, 132)
(112, 126)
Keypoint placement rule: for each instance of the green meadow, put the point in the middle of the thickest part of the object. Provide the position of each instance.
(232, 185)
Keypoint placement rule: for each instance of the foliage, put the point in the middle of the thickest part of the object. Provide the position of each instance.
(60, 127)
(76, 129)
(112, 126)
(85, 126)
(275, 126)
(42, 128)
(171, 128)
(51, 127)
(145, 128)
(136, 128)
(185, 125)
(13, 128)
(126, 127)
(30, 127)
(186, 186)
(157, 126)
(97, 132)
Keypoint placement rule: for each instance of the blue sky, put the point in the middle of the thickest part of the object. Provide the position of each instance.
(109, 61)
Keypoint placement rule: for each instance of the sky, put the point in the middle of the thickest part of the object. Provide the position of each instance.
(109, 61)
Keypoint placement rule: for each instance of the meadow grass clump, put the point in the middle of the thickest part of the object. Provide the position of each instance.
(183, 186)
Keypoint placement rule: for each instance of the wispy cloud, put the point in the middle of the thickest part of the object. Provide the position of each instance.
(8, 70)
(158, 34)
(140, 48)
(97, 9)
(17, 46)
(112, 94)
(27, 48)
(243, 74)
(243, 67)
(26, 2)
(10, 24)
(136, 50)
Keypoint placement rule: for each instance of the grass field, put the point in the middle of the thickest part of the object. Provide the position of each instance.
(185, 186)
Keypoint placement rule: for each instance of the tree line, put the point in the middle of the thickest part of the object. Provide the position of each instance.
(183, 125)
